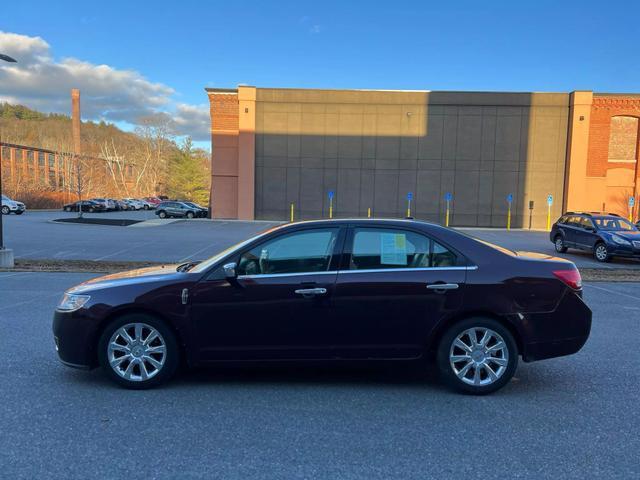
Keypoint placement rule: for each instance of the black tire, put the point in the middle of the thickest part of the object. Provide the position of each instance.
(67, 209)
(5, 210)
(171, 361)
(446, 346)
(91, 210)
(190, 215)
(601, 253)
(559, 244)
(162, 214)
(146, 207)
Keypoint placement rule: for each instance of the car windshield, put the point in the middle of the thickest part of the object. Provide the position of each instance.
(614, 224)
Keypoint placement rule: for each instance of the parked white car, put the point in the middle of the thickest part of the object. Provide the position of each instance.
(134, 203)
(11, 206)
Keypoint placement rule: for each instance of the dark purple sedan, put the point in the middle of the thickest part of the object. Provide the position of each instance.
(332, 290)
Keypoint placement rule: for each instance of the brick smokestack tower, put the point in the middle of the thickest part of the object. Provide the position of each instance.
(75, 119)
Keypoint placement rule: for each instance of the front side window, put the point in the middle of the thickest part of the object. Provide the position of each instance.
(299, 252)
(377, 248)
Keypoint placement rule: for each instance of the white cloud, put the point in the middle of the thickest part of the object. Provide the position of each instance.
(42, 82)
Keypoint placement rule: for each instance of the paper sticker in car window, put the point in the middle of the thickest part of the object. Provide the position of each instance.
(393, 249)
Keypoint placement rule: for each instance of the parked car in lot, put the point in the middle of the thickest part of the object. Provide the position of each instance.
(201, 211)
(607, 235)
(121, 205)
(133, 204)
(107, 203)
(177, 209)
(332, 290)
(11, 206)
(89, 206)
(154, 201)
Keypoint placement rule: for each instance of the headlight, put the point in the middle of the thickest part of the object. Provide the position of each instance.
(619, 240)
(71, 302)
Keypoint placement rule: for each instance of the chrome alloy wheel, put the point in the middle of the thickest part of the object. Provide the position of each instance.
(136, 352)
(559, 244)
(601, 252)
(479, 356)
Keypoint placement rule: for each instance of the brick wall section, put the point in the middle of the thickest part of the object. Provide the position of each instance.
(603, 108)
(224, 111)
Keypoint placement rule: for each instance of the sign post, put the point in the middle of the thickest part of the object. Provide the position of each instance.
(632, 202)
(292, 213)
(549, 203)
(530, 212)
(369, 212)
(409, 198)
(509, 202)
(330, 203)
(447, 197)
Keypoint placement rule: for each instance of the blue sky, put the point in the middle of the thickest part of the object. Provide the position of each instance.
(181, 47)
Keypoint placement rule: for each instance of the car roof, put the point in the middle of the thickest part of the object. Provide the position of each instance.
(398, 222)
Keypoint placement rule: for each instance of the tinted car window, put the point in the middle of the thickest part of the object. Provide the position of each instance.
(586, 223)
(376, 248)
(299, 252)
(614, 224)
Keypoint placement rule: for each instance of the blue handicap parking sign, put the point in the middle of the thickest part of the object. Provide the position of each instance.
(448, 196)
(330, 193)
(409, 196)
(510, 198)
(550, 200)
(632, 201)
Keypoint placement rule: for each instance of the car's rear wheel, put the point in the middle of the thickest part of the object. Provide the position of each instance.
(559, 244)
(146, 207)
(162, 214)
(601, 253)
(91, 210)
(477, 356)
(138, 351)
(190, 215)
(5, 210)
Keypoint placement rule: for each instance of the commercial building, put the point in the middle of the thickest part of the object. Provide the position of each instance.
(272, 148)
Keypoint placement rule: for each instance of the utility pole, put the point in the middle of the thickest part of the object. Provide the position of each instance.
(6, 254)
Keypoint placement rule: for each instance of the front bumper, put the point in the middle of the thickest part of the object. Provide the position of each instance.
(74, 337)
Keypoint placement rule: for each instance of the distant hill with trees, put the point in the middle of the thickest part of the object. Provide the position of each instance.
(155, 160)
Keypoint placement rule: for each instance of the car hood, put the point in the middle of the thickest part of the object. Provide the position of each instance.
(140, 275)
(630, 235)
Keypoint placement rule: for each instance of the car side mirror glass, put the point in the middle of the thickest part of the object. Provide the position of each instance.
(230, 270)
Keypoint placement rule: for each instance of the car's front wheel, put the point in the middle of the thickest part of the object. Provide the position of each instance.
(477, 356)
(162, 214)
(190, 215)
(601, 253)
(138, 351)
(5, 210)
(559, 244)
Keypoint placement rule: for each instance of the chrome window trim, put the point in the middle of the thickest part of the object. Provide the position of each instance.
(276, 275)
(374, 270)
(419, 269)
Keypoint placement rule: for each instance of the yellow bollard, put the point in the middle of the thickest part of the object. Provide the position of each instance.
(509, 218)
(446, 220)
(331, 207)
(548, 218)
(369, 212)
(292, 213)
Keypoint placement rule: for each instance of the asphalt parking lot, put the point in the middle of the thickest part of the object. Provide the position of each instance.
(572, 417)
(34, 236)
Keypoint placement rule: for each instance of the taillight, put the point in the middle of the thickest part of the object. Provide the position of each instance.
(570, 277)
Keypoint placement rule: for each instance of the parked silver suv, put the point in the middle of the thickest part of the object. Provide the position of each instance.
(11, 206)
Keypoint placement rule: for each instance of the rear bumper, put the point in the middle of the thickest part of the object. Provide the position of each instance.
(561, 332)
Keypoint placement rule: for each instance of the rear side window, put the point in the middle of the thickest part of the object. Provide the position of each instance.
(378, 248)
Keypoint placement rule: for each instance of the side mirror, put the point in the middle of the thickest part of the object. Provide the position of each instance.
(230, 270)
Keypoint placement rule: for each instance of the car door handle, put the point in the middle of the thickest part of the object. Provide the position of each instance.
(311, 292)
(442, 286)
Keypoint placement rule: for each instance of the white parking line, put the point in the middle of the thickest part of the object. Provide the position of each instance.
(612, 291)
